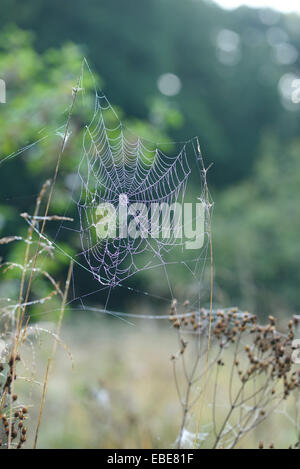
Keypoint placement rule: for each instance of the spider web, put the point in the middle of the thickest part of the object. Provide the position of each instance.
(116, 170)
(116, 165)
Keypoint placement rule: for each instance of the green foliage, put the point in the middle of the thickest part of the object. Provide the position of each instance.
(227, 99)
(257, 227)
(39, 97)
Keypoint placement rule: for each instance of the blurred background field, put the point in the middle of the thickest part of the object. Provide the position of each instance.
(121, 394)
(173, 70)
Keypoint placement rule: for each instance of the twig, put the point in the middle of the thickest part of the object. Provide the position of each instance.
(45, 218)
(42, 403)
(51, 360)
(205, 170)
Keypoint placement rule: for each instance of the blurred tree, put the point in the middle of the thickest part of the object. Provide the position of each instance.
(32, 125)
(229, 65)
(39, 94)
(257, 229)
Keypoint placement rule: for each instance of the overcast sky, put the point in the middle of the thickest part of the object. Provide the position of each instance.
(283, 5)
